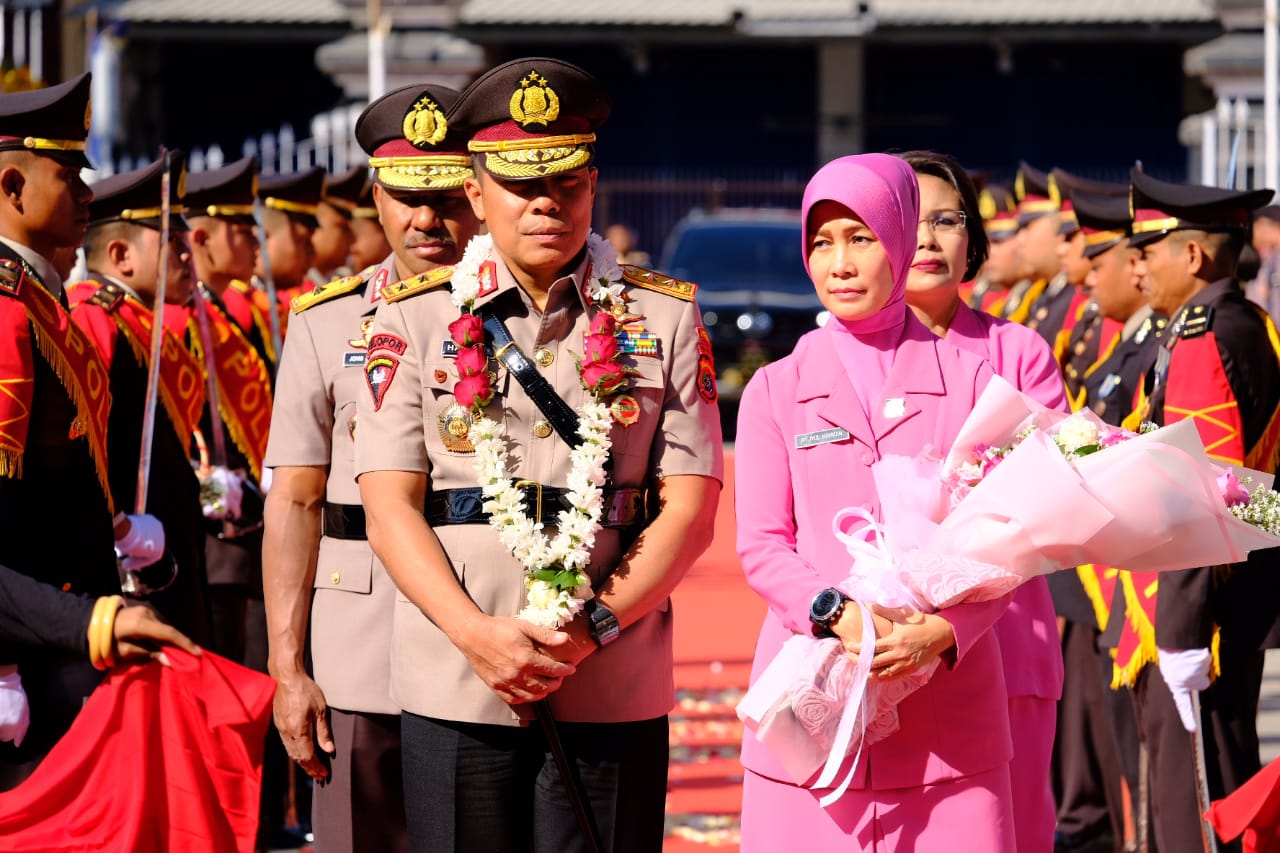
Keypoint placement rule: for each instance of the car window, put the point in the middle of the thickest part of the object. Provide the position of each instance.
(741, 256)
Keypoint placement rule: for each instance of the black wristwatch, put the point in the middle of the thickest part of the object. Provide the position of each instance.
(603, 623)
(826, 609)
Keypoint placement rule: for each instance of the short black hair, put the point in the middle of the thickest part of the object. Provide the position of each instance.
(948, 169)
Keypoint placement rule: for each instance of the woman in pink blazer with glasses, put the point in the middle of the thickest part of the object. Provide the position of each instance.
(872, 381)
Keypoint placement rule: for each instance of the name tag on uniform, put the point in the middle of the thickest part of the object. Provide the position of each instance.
(822, 436)
(353, 359)
(448, 349)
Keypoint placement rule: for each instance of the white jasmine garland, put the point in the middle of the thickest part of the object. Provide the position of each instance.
(556, 582)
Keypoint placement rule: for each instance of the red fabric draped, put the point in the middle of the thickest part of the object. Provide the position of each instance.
(1252, 810)
(160, 758)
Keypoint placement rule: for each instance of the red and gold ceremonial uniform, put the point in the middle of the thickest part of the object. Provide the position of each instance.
(121, 328)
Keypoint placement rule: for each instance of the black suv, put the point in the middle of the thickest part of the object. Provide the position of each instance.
(755, 296)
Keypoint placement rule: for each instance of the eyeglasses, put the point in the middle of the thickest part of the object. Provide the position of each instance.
(945, 221)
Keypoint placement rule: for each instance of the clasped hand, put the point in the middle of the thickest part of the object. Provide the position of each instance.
(514, 657)
(906, 640)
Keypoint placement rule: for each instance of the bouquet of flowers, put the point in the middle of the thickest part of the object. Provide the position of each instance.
(1023, 492)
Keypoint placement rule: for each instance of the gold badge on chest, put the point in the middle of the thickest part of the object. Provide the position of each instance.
(455, 423)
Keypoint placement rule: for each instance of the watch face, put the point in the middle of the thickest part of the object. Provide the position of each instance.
(826, 604)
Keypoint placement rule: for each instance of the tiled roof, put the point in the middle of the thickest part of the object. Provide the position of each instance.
(895, 13)
(229, 12)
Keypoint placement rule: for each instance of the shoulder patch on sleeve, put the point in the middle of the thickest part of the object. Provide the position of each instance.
(1197, 321)
(655, 281)
(416, 284)
(11, 277)
(325, 292)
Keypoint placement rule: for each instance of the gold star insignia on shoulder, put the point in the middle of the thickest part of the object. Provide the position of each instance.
(325, 292)
(655, 281)
(414, 285)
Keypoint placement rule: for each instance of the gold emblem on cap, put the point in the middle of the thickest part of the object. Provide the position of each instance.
(544, 356)
(986, 205)
(534, 102)
(455, 423)
(424, 124)
(541, 428)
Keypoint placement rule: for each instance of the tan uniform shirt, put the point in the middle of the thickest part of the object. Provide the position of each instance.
(321, 375)
(678, 433)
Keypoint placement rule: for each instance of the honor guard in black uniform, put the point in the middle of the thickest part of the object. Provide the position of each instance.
(115, 306)
(332, 239)
(999, 210)
(291, 204)
(1038, 226)
(1097, 742)
(55, 504)
(1206, 628)
(1055, 312)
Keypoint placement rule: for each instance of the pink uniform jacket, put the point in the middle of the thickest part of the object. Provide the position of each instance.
(958, 723)
(1028, 631)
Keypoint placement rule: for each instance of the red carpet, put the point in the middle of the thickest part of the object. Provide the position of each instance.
(717, 619)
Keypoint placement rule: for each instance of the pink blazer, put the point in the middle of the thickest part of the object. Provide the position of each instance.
(1028, 631)
(958, 723)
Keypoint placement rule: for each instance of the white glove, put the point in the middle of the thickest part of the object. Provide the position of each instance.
(1185, 670)
(15, 715)
(143, 544)
(264, 482)
(220, 494)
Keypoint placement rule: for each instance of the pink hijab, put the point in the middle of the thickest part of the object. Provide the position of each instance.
(883, 192)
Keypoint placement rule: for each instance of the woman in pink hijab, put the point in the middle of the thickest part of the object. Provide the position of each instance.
(872, 381)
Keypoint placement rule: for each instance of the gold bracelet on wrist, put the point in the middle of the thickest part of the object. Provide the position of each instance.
(102, 631)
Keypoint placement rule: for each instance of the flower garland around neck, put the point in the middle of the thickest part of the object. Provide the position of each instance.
(555, 574)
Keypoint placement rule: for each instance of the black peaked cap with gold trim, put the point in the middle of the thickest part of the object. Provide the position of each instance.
(1036, 194)
(1104, 218)
(1160, 207)
(365, 208)
(295, 195)
(342, 192)
(226, 192)
(999, 211)
(53, 121)
(1067, 186)
(532, 117)
(134, 197)
(410, 143)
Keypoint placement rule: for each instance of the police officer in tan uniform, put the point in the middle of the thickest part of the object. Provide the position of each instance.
(315, 532)
(464, 666)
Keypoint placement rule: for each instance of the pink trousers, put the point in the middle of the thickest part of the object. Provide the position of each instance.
(1032, 722)
(969, 815)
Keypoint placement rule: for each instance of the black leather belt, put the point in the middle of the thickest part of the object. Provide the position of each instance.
(344, 521)
(622, 507)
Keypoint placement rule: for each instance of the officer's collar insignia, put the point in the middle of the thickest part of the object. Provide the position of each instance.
(424, 124)
(534, 102)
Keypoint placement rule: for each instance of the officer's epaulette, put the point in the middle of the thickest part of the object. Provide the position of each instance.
(325, 292)
(656, 281)
(1196, 322)
(108, 297)
(11, 276)
(415, 284)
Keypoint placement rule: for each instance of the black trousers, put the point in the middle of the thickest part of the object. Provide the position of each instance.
(472, 788)
(1093, 748)
(1229, 717)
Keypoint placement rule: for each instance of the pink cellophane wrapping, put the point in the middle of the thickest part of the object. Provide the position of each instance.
(1149, 503)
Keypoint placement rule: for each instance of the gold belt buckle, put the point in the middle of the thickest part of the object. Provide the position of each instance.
(520, 484)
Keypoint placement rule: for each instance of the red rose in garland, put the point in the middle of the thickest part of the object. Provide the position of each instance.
(471, 361)
(467, 330)
(473, 392)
